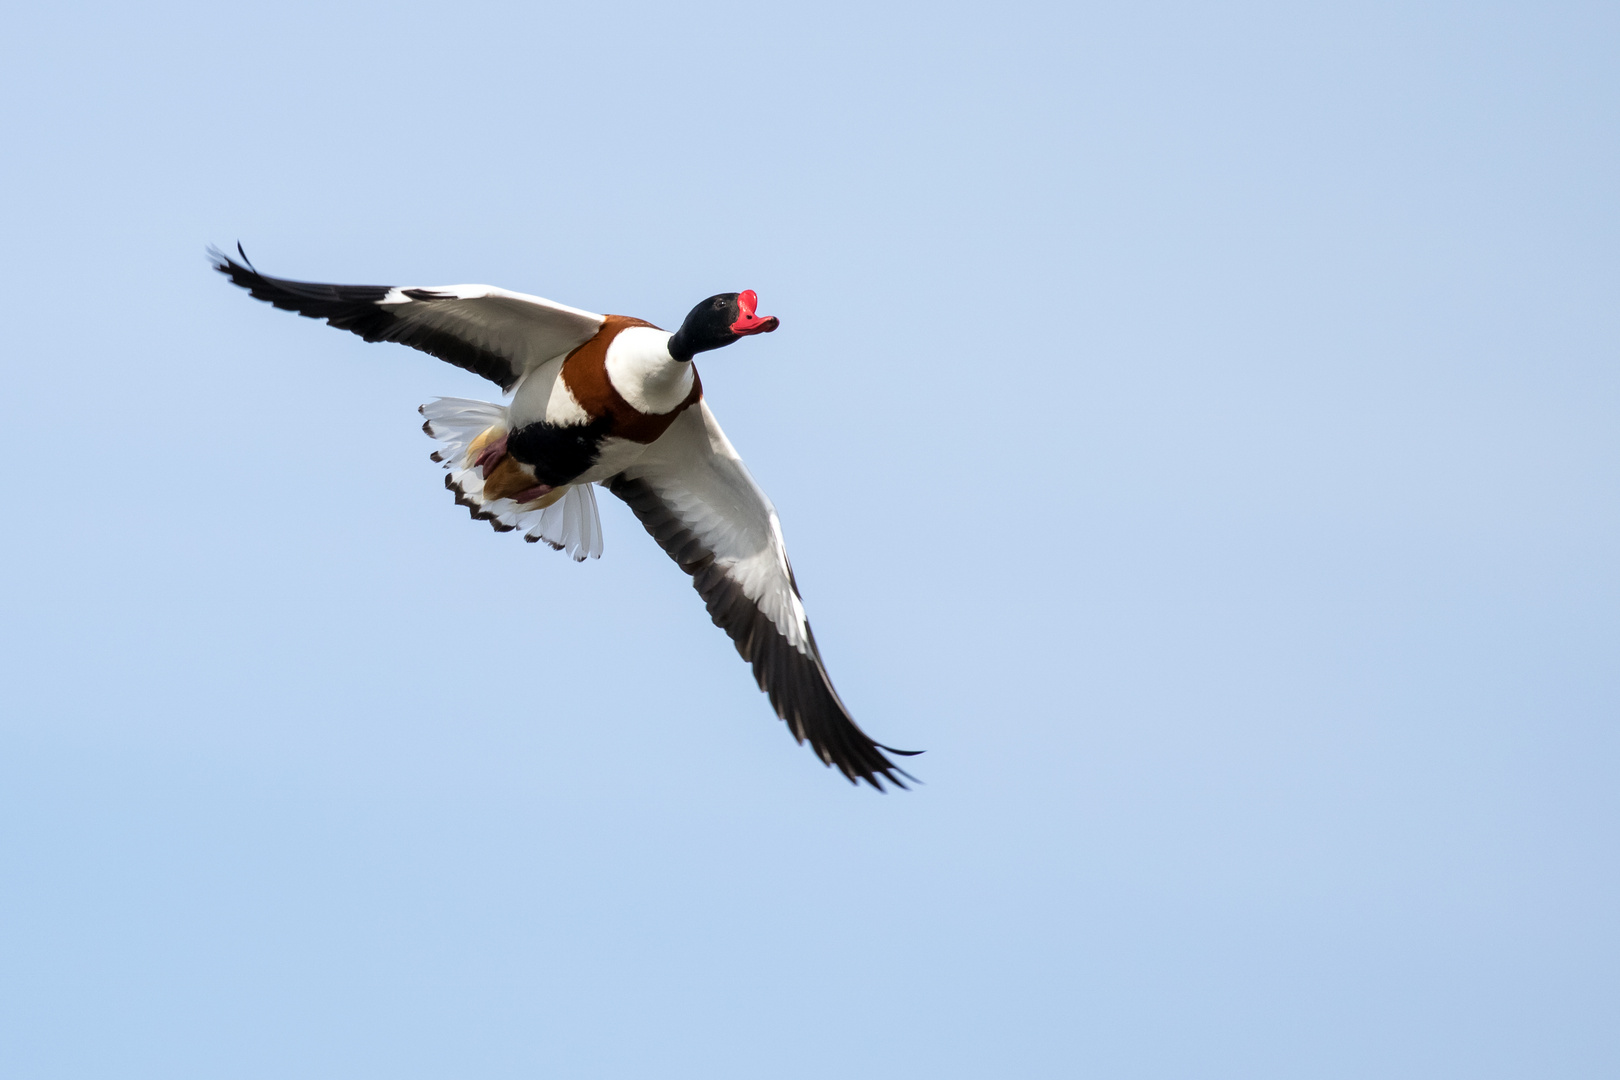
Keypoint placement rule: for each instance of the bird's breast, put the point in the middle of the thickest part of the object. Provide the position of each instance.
(639, 367)
(625, 376)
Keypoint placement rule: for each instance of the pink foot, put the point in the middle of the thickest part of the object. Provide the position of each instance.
(490, 455)
(532, 493)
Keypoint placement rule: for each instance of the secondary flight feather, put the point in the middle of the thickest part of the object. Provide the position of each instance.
(612, 401)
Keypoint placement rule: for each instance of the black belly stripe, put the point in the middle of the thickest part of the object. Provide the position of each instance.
(559, 455)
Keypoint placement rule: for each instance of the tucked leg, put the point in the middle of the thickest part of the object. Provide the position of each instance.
(490, 453)
(536, 492)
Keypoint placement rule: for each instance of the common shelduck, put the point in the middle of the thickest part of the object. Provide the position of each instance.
(615, 401)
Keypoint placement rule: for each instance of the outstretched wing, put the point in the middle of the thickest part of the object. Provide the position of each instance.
(491, 332)
(697, 499)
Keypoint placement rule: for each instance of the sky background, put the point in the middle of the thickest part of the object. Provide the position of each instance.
(1194, 425)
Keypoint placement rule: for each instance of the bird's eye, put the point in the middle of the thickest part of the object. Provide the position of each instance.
(719, 304)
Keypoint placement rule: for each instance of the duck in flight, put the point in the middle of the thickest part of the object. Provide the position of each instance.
(614, 401)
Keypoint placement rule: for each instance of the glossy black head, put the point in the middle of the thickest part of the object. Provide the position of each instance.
(719, 321)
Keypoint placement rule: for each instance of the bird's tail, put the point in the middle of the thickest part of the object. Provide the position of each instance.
(566, 519)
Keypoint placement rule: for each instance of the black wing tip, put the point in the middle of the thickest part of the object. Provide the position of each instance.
(873, 773)
(222, 260)
(876, 777)
(840, 743)
(243, 274)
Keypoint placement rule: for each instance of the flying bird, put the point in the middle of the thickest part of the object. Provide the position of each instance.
(613, 401)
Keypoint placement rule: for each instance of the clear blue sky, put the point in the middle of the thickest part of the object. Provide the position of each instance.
(1195, 425)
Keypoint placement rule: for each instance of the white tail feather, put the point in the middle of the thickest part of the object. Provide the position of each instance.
(569, 524)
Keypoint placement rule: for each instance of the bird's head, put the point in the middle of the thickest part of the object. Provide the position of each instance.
(717, 322)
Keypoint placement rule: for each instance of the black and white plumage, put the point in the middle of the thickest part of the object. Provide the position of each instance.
(615, 401)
